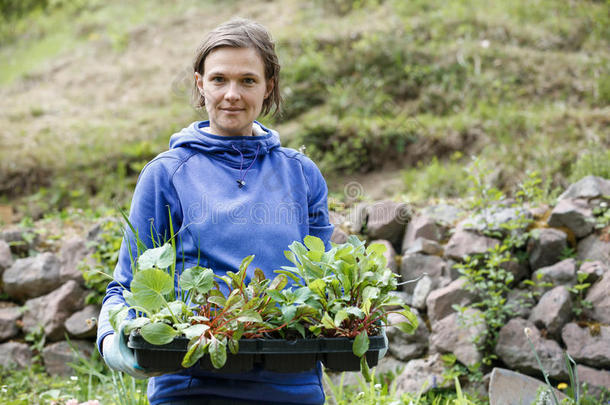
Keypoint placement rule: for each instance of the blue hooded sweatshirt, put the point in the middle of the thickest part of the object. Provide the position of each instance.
(229, 197)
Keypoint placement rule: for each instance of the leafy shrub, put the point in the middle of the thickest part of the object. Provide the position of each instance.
(357, 144)
(595, 162)
(105, 257)
(436, 179)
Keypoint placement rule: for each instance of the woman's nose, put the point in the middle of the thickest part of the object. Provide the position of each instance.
(232, 93)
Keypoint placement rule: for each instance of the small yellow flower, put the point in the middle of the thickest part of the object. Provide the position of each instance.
(562, 386)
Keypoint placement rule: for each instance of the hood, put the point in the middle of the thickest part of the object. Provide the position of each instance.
(234, 150)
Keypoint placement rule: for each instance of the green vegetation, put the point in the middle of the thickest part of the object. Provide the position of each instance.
(342, 292)
(366, 84)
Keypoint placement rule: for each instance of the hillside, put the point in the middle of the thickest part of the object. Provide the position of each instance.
(399, 92)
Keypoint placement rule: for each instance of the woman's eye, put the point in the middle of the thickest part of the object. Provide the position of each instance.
(217, 79)
(249, 80)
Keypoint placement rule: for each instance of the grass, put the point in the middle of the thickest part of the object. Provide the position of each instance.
(523, 84)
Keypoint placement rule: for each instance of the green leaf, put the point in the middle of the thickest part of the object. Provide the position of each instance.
(239, 331)
(370, 293)
(365, 370)
(259, 275)
(135, 323)
(218, 353)
(199, 279)
(300, 328)
(278, 283)
(340, 316)
(117, 315)
(158, 333)
(301, 295)
(195, 330)
(376, 249)
(366, 306)
(314, 243)
(161, 257)
(318, 286)
(195, 350)
(288, 313)
(245, 263)
(291, 257)
(249, 316)
(149, 286)
(217, 300)
(361, 344)
(286, 272)
(328, 322)
(233, 346)
(357, 312)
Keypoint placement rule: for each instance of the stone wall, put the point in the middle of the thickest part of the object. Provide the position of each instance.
(436, 238)
(47, 290)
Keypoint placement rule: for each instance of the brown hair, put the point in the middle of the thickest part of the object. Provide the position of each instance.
(242, 33)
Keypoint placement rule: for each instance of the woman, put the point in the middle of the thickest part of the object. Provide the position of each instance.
(232, 191)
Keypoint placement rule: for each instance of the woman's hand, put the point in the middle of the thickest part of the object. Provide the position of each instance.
(119, 357)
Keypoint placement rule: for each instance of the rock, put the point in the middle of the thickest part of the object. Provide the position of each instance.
(520, 302)
(32, 277)
(387, 220)
(338, 236)
(15, 355)
(562, 273)
(465, 243)
(574, 215)
(587, 188)
(422, 226)
(413, 266)
(600, 299)
(593, 249)
(493, 220)
(83, 323)
(57, 356)
(440, 302)
(420, 292)
(52, 310)
(585, 348)
(443, 214)
(553, 311)
(404, 346)
(518, 270)
(514, 350)
(425, 246)
(456, 334)
(20, 240)
(9, 315)
(507, 387)
(593, 270)
(357, 217)
(71, 255)
(545, 247)
(6, 257)
(336, 218)
(390, 254)
(388, 365)
(422, 375)
(596, 380)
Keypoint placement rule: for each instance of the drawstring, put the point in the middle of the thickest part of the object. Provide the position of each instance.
(241, 182)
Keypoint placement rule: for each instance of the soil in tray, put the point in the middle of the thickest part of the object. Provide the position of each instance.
(278, 355)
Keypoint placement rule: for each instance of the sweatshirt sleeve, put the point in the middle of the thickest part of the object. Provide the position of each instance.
(149, 216)
(319, 224)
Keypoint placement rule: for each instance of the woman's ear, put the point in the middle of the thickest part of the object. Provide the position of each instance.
(199, 81)
(270, 85)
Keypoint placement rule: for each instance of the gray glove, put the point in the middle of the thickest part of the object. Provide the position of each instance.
(383, 351)
(119, 357)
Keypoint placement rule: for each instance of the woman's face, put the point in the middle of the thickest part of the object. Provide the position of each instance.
(234, 87)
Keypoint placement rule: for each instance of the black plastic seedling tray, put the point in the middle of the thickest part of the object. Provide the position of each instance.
(280, 355)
